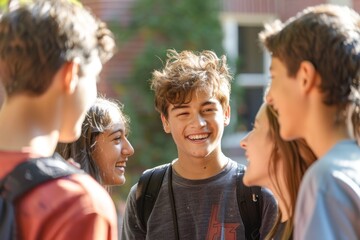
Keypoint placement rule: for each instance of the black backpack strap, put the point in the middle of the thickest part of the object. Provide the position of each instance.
(147, 191)
(24, 177)
(250, 204)
(33, 172)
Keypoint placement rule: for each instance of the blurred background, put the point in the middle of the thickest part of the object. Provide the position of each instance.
(146, 28)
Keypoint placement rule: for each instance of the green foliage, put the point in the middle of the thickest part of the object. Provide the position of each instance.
(163, 24)
(4, 4)
(180, 24)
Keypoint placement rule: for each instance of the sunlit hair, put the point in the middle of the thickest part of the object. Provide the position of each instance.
(327, 36)
(97, 120)
(296, 157)
(39, 37)
(187, 73)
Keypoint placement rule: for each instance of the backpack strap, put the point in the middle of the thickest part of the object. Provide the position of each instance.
(24, 177)
(33, 172)
(249, 199)
(147, 191)
(250, 205)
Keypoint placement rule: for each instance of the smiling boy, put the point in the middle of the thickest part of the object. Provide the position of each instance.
(314, 88)
(197, 199)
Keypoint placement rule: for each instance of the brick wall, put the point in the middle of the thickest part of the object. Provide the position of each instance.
(120, 66)
(246, 6)
(356, 5)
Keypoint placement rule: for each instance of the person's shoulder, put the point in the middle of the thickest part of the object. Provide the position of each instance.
(77, 193)
(96, 197)
(266, 192)
(343, 150)
(77, 198)
(154, 174)
(133, 189)
(339, 158)
(157, 173)
(157, 168)
(326, 172)
(234, 165)
(268, 197)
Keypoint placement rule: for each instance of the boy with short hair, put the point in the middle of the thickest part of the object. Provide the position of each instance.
(51, 53)
(197, 199)
(314, 88)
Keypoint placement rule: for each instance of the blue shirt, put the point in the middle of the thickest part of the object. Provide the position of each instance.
(328, 205)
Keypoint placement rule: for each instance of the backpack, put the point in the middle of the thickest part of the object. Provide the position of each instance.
(249, 199)
(23, 178)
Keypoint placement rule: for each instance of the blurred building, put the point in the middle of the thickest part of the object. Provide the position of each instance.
(241, 20)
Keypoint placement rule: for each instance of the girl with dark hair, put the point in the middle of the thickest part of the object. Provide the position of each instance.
(103, 148)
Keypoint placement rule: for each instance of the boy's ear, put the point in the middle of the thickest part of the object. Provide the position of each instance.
(165, 124)
(308, 76)
(227, 113)
(70, 76)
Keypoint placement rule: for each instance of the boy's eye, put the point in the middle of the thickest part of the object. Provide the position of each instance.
(209, 110)
(117, 139)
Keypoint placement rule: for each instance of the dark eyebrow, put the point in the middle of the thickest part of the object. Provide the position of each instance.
(182, 106)
(208, 103)
(116, 131)
(176, 107)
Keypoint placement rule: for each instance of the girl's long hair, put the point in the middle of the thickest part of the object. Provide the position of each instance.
(296, 157)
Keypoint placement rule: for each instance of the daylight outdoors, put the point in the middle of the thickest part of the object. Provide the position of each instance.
(145, 29)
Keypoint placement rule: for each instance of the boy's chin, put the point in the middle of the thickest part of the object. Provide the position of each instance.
(288, 135)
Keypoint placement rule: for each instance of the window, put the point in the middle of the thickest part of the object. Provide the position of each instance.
(251, 77)
(249, 52)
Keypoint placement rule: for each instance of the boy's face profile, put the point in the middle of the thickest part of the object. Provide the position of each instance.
(284, 95)
(79, 100)
(197, 126)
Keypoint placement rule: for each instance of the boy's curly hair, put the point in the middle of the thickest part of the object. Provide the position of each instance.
(188, 72)
(36, 39)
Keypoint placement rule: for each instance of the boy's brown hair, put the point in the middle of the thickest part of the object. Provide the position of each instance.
(32, 51)
(328, 36)
(187, 72)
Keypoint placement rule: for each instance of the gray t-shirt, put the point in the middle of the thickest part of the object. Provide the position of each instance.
(328, 205)
(206, 209)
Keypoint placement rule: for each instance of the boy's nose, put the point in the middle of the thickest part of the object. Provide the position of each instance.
(199, 120)
(243, 143)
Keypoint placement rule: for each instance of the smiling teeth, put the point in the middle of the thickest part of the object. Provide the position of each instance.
(198, 137)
